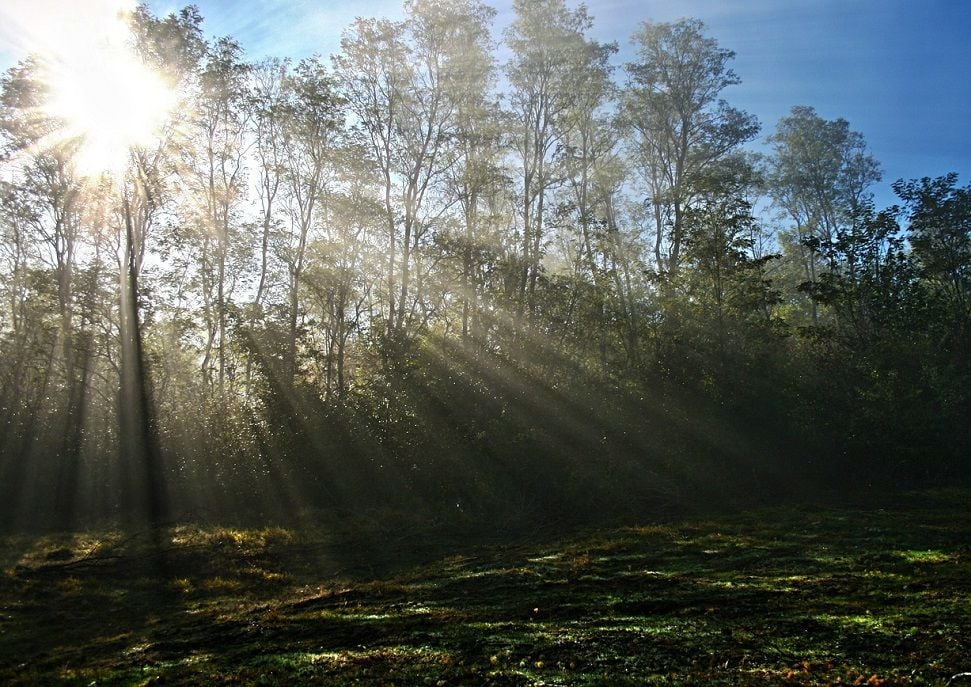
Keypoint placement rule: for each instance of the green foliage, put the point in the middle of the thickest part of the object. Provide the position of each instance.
(939, 230)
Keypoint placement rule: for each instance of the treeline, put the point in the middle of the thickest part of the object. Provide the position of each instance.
(418, 280)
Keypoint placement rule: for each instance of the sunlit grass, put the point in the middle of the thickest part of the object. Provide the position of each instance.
(924, 556)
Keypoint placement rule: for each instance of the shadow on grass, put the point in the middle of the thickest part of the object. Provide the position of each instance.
(854, 597)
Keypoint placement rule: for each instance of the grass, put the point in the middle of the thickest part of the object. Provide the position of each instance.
(859, 596)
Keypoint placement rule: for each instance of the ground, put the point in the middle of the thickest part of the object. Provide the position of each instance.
(848, 595)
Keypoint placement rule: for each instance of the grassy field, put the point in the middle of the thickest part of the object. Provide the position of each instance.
(861, 596)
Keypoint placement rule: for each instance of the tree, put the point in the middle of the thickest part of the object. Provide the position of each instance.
(311, 117)
(939, 230)
(403, 82)
(373, 71)
(267, 117)
(724, 278)
(588, 158)
(139, 198)
(476, 177)
(678, 124)
(818, 175)
(216, 165)
(343, 266)
(551, 60)
(140, 204)
(44, 206)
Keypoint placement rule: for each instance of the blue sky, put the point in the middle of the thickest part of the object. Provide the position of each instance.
(897, 70)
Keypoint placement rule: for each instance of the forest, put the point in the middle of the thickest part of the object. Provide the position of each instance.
(464, 286)
(417, 279)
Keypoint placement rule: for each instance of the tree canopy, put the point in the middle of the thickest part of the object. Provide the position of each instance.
(476, 278)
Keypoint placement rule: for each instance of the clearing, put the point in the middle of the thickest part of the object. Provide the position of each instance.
(866, 595)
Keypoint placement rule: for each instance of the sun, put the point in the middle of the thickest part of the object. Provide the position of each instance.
(104, 96)
(111, 104)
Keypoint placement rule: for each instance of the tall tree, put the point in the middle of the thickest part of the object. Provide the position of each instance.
(587, 155)
(550, 59)
(468, 80)
(819, 174)
(343, 266)
(939, 230)
(678, 122)
(44, 206)
(373, 71)
(268, 115)
(216, 176)
(724, 279)
(398, 80)
(141, 199)
(311, 118)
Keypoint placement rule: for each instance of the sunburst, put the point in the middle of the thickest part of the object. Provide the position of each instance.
(111, 103)
(99, 90)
